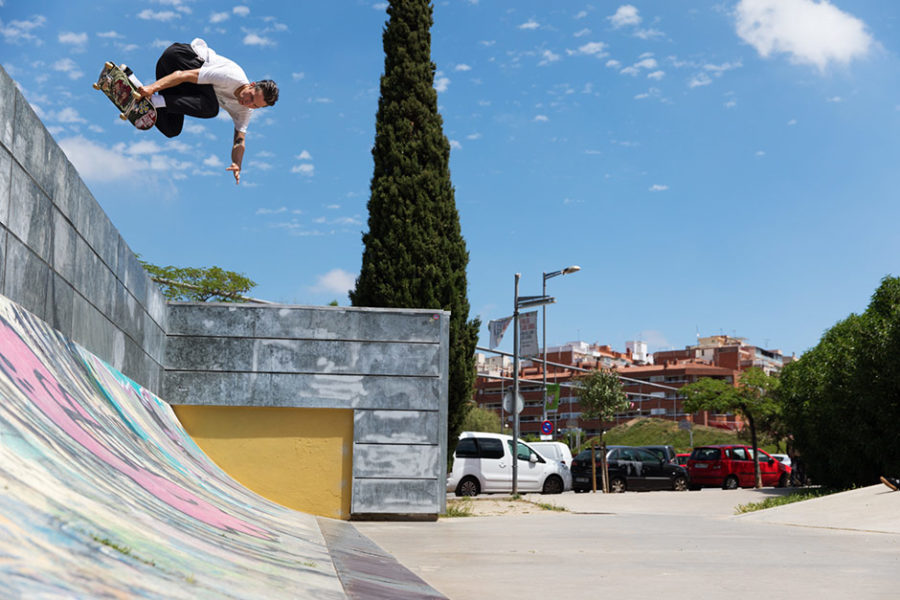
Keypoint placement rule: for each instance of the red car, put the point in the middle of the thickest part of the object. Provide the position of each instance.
(682, 457)
(730, 466)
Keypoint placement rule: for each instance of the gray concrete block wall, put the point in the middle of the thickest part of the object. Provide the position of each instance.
(61, 257)
(389, 366)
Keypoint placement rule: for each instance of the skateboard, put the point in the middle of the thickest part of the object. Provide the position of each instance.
(114, 82)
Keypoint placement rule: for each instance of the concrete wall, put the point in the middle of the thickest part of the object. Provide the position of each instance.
(61, 257)
(388, 366)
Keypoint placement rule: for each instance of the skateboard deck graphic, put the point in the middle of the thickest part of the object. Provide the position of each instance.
(114, 82)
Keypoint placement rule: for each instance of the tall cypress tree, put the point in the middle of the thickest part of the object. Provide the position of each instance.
(415, 255)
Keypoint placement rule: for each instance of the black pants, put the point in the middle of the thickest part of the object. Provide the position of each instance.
(191, 99)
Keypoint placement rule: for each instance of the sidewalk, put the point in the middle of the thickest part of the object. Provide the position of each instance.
(661, 544)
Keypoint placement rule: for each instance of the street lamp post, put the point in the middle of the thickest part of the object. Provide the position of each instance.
(546, 276)
(519, 302)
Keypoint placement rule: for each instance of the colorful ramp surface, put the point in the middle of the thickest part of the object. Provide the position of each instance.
(103, 494)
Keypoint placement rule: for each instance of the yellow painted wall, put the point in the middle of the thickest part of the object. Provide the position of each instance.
(301, 458)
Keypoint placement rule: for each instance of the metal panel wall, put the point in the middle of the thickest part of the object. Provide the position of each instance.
(389, 365)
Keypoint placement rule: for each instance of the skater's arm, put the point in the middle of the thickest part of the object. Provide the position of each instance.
(237, 156)
(170, 80)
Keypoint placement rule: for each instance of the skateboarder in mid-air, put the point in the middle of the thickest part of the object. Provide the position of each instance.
(193, 80)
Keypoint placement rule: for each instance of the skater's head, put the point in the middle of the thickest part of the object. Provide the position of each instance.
(258, 94)
(270, 91)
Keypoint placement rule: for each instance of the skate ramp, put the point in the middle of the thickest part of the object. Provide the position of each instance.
(103, 494)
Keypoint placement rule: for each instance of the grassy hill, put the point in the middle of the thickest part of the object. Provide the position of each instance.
(643, 432)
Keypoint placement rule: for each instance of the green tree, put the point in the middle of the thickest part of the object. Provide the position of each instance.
(754, 399)
(482, 419)
(601, 396)
(196, 284)
(415, 255)
(841, 399)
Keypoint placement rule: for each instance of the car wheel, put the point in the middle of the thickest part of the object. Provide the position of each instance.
(784, 480)
(553, 485)
(617, 485)
(731, 483)
(468, 487)
(680, 484)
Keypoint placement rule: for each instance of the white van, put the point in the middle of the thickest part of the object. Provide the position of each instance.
(482, 463)
(558, 451)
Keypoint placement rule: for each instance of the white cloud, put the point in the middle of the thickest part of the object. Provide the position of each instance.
(809, 32)
(306, 170)
(657, 75)
(455, 145)
(530, 24)
(335, 281)
(69, 115)
(541, 118)
(548, 57)
(110, 35)
(304, 155)
(613, 63)
(380, 6)
(20, 31)
(582, 33)
(241, 11)
(70, 37)
(219, 17)
(834, 99)
(474, 136)
(162, 15)
(760, 153)
(593, 49)
(96, 163)
(253, 39)
(462, 67)
(581, 14)
(441, 83)
(625, 15)
(271, 211)
(648, 34)
(213, 161)
(647, 63)
(793, 122)
(658, 188)
(699, 80)
(297, 76)
(68, 66)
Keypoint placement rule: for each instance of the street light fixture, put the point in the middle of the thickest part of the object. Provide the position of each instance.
(546, 276)
(523, 302)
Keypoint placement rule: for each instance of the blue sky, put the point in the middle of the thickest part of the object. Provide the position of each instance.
(728, 166)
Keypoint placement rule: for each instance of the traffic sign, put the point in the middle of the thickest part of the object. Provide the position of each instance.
(507, 402)
(546, 427)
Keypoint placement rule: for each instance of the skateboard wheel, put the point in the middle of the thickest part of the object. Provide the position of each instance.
(95, 85)
(123, 116)
(109, 65)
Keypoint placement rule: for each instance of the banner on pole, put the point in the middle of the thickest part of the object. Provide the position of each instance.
(497, 328)
(552, 396)
(528, 339)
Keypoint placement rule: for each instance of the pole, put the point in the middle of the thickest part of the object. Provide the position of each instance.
(544, 344)
(515, 400)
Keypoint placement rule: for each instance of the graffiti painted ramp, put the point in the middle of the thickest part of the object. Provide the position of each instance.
(103, 494)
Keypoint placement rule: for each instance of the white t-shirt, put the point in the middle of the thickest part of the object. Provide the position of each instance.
(225, 76)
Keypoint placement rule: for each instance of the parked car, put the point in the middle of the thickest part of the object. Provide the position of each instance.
(784, 459)
(558, 451)
(482, 463)
(730, 466)
(629, 469)
(682, 457)
(667, 453)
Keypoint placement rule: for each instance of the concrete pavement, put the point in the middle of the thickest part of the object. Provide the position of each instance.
(662, 544)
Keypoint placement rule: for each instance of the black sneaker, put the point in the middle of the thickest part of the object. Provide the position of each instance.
(891, 482)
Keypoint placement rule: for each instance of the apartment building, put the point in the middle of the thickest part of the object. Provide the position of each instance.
(651, 382)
